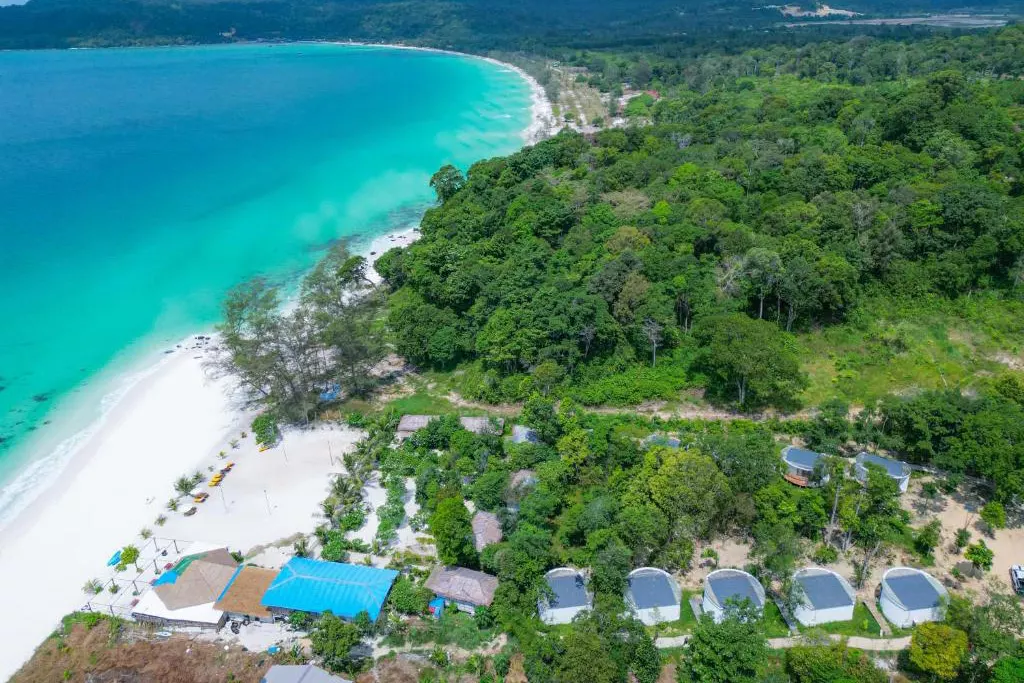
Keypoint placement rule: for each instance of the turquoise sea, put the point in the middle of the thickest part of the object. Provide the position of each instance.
(138, 185)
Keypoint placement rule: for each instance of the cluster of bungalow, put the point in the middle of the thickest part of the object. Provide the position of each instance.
(908, 596)
(806, 468)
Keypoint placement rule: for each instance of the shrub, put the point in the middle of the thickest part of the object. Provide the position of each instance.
(264, 428)
(980, 555)
(994, 515)
(963, 537)
(825, 554)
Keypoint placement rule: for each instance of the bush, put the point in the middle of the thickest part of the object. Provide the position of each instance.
(264, 428)
(825, 554)
(963, 537)
(994, 515)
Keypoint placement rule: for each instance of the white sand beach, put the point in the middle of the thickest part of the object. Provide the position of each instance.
(175, 420)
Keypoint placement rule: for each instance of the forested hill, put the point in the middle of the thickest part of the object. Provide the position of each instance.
(469, 25)
(699, 251)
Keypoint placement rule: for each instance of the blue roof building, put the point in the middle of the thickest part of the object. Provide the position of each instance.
(803, 466)
(316, 586)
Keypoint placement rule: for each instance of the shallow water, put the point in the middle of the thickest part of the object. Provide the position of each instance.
(138, 185)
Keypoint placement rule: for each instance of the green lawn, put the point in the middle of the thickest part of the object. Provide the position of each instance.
(681, 626)
(774, 625)
(862, 624)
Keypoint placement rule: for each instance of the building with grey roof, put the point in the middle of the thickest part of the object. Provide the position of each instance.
(300, 673)
(822, 596)
(910, 596)
(467, 589)
(483, 425)
(661, 440)
(900, 471)
(486, 529)
(653, 595)
(803, 466)
(568, 596)
(410, 424)
(524, 434)
(724, 588)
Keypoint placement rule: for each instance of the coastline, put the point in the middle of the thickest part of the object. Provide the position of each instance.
(173, 418)
(162, 416)
(543, 123)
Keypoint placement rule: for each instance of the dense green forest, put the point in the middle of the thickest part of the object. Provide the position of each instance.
(469, 25)
(769, 213)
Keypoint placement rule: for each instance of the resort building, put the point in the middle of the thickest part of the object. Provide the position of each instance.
(523, 434)
(910, 596)
(803, 467)
(653, 595)
(900, 471)
(185, 594)
(465, 588)
(486, 530)
(569, 596)
(242, 598)
(483, 425)
(316, 586)
(822, 596)
(300, 673)
(661, 440)
(410, 424)
(726, 587)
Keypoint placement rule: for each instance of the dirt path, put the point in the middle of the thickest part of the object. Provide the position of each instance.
(856, 642)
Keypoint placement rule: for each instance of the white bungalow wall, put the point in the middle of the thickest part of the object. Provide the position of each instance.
(563, 615)
(658, 615)
(813, 617)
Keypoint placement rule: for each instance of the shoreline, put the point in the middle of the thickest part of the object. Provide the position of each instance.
(176, 417)
(161, 416)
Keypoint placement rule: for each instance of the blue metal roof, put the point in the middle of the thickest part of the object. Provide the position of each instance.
(801, 457)
(824, 591)
(914, 591)
(317, 586)
(895, 468)
(738, 587)
(652, 589)
(569, 591)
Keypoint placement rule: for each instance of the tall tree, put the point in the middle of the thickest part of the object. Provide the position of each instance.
(452, 529)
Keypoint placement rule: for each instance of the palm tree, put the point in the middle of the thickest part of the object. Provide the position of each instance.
(183, 486)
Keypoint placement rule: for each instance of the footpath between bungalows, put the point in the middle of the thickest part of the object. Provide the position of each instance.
(856, 642)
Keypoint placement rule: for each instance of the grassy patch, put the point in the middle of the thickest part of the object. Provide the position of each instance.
(774, 625)
(862, 624)
(681, 626)
(422, 403)
(899, 347)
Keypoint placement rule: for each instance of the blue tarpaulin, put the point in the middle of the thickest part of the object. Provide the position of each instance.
(114, 559)
(316, 586)
(436, 607)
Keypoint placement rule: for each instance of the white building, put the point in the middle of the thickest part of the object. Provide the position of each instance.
(569, 596)
(900, 471)
(822, 596)
(910, 596)
(727, 587)
(653, 595)
(803, 467)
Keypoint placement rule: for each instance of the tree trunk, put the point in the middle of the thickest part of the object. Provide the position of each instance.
(760, 308)
(790, 317)
(741, 386)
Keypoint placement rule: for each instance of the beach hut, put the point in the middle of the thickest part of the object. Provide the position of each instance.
(803, 466)
(465, 588)
(653, 595)
(486, 530)
(242, 598)
(822, 596)
(316, 586)
(185, 594)
(725, 587)
(410, 424)
(523, 434)
(483, 425)
(910, 596)
(900, 471)
(569, 596)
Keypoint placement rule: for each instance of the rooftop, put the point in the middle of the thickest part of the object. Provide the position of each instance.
(196, 580)
(317, 586)
(736, 585)
(463, 585)
(412, 423)
(649, 587)
(522, 478)
(483, 425)
(895, 468)
(801, 457)
(486, 529)
(569, 588)
(912, 588)
(662, 440)
(244, 593)
(300, 673)
(523, 434)
(824, 589)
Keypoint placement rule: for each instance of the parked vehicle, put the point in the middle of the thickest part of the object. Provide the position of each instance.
(1017, 578)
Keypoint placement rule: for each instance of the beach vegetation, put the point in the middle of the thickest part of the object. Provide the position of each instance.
(980, 555)
(145, 533)
(92, 587)
(129, 556)
(172, 505)
(264, 427)
(160, 520)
